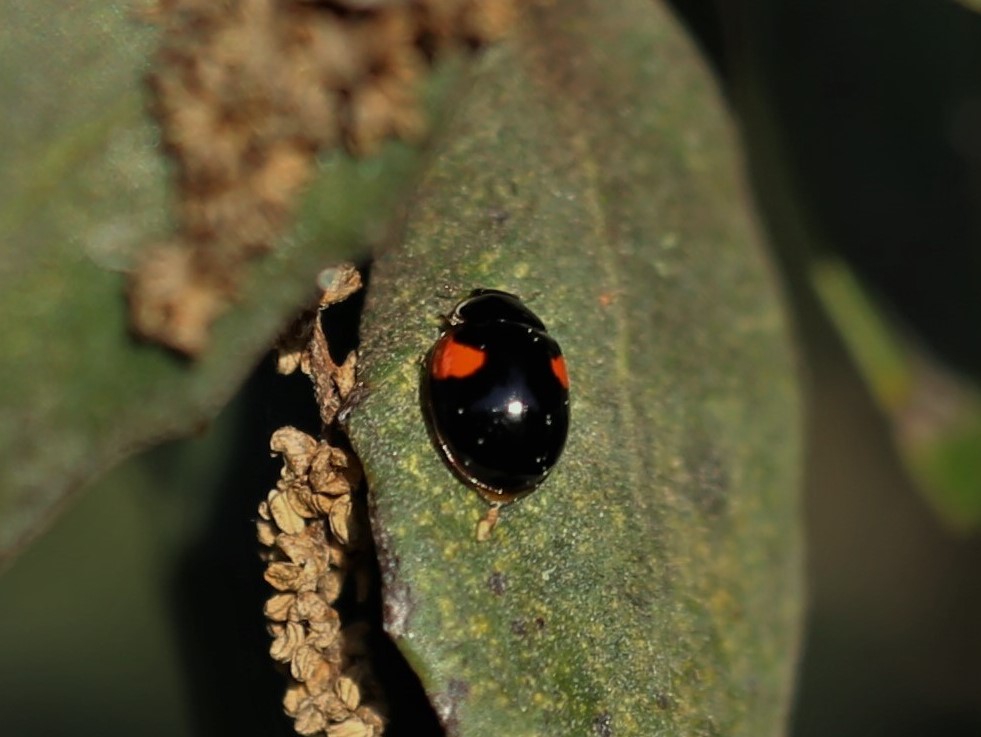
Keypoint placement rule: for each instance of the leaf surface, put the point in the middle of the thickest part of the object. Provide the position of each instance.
(652, 585)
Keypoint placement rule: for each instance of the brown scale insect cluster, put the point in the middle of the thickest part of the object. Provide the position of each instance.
(314, 536)
(247, 92)
(314, 529)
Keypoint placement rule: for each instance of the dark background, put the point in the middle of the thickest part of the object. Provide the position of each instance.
(863, 125)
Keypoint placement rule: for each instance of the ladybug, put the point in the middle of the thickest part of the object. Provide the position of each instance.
(496, 395)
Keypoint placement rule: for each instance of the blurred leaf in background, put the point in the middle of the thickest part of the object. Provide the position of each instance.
(141, 608)
(935, 415)
(83, 187)
(861, 122)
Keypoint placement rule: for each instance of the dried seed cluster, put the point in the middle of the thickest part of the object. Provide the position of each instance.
(247, 92)
(315, 541)
(314, 527)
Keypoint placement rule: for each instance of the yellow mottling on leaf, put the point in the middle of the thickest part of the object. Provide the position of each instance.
(480, 627)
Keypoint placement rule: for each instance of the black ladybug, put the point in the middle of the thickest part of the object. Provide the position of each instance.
(496, 393)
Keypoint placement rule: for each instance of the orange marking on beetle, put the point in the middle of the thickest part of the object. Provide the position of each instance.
(558, 368)
(455, 360)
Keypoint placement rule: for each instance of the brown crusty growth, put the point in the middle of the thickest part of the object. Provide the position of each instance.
(247, 92)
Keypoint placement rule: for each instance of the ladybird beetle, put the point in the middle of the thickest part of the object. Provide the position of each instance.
(496, 395)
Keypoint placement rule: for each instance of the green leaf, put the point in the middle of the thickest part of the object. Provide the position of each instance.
(652, 585)
(934, 413)
(83, 187)
(144, 601)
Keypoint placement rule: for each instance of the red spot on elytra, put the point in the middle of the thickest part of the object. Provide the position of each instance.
(454, 360)
(558, 368)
